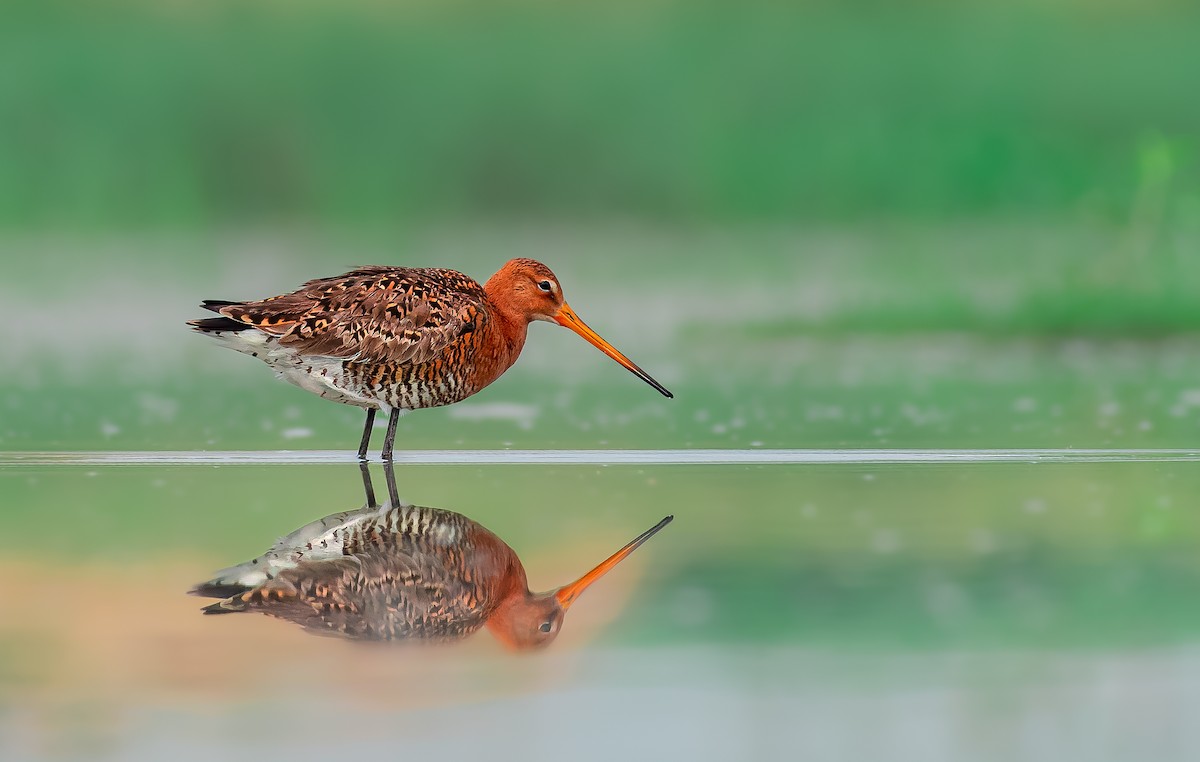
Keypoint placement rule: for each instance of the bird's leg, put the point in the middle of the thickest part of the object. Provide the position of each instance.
(389, 473)
(368, 487)
(390, 439)
(366, 440)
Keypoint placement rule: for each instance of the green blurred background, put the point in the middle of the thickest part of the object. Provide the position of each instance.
(128, 115)
(822, 225)
(852, 223)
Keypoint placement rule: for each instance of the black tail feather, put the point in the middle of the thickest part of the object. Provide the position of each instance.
(215, 305)
(210, 325)
(227, 606)
(218, 589)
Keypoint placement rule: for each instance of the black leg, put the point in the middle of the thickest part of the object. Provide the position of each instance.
(368, 487)
(390, 439)
(389, 473)
(366, 440)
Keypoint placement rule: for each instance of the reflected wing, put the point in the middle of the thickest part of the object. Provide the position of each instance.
(372, 314)
(320, 539)
(403, 593)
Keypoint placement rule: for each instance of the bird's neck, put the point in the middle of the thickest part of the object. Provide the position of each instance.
(504, 620)
(512, 324)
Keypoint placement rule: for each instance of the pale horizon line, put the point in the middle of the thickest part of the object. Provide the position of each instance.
(726, 457)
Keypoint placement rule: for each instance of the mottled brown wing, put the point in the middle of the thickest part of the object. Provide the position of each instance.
(372, 314)
(375, 596)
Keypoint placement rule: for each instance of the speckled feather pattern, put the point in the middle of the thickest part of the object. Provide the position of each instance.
(407, 572)
(404, 337)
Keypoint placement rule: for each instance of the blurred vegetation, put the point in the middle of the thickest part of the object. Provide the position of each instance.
(807, 202)
(1020, 168)
(132, 114)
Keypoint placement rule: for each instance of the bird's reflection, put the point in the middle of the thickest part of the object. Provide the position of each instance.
(400, 572)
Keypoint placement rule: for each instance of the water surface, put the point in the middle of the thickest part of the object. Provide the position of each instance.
(986, 605)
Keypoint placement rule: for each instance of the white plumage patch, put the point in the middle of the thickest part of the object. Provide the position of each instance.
(318, 540)
(318, 374)
(251, 341)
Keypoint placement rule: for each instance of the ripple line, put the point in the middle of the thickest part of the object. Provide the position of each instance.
(714, 457)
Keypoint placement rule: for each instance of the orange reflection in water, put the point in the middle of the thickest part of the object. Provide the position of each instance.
(83, 647)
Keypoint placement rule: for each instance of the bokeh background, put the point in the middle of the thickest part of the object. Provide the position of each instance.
(794, 196)
(900, 225)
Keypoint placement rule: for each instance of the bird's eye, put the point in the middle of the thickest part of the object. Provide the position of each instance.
(546, 626)
(545, 286)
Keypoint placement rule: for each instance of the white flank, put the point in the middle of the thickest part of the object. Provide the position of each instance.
(319, 375)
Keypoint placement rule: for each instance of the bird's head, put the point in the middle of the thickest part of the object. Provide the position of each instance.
(526, 621)
(531, 290)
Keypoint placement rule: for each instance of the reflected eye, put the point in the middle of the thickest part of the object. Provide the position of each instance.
(545, 286)
(546, 626)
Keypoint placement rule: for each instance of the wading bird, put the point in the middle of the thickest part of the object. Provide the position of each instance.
(400, 338)
(401, 572)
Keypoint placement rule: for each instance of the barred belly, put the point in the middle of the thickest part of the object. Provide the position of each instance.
(407, 387)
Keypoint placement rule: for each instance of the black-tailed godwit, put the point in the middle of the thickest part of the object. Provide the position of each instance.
(400, 338)
(401, 572)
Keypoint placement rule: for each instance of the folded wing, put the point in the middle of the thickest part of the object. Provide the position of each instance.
(372, 314)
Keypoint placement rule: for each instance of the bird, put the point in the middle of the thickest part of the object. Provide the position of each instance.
(401, 572)
(394, 339)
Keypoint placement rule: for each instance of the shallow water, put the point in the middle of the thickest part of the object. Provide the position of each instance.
(897, 535)
(911, 606)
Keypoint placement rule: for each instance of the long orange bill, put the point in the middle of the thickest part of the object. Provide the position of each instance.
(568, 319)
(567, 595)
